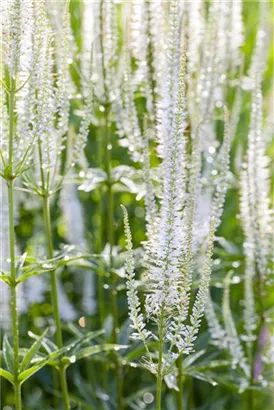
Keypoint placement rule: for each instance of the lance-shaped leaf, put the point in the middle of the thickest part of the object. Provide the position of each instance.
(91, 350)
(26, 374)
(206, 377)
(32, 351)
(8, 353)
(6, 278)
(47, 344)
(76, 345)
(7, 375)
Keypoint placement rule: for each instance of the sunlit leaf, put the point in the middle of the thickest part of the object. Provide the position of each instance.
(7, 375)
(32, 351)
(8, 353)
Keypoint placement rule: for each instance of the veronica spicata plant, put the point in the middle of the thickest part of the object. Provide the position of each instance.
(21, 49)
(34, 125)
(249, 349)
(170, 247)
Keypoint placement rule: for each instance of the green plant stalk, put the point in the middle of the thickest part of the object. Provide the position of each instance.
(100, 158)
(100, 282)
(54, 295)
(249, 400)
(190, 397)
(180, 393)
(15, 324)
(113, 291)
(110, 216)
(251, 348)
(10, 187)
(160, 359)
(159, 393)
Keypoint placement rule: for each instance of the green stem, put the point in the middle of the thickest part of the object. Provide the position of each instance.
(18, 401)
(101, 282)
(249, 400)
(54, 289)
(160, 359)
(113, 291)
(180, 393)
(15, 324)
(110, 216)
(64, 386)
(14, 313)
(159, 392)
(54, 296)
(191, 402)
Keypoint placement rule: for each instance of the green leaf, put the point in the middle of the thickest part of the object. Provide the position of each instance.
(20, 263)
(47, 344)
(203, 376)
(85, 338)
(62, 259)
(6, 278)
(32, 351)
(91, 350)
(8, 353)
(37, 272)
(70, 348)
(192, 358)
(79, 261)
(210, 365)
(26, 374)
(7, 375)
(139, 351)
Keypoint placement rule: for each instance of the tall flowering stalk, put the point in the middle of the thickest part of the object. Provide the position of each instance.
(99, 68)
(50, 125)
(18, 22)
(255, 216)
(35, 114)
(170, 255)
(173, 230)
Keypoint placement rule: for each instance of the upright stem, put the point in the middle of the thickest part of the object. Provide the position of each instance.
(110, 216)
(249, 400)
(160, 359)
(180, 393)
(100, 283)
(190, 396)
(159, 393)
(100, 157)
(15, 324)
(10, 187)
(54, 295)
(113, 291)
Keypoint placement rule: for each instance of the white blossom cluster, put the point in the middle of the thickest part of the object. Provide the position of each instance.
(256, 219)
(170, 225)
(37, 55)
(34, 70)
(194, 182)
